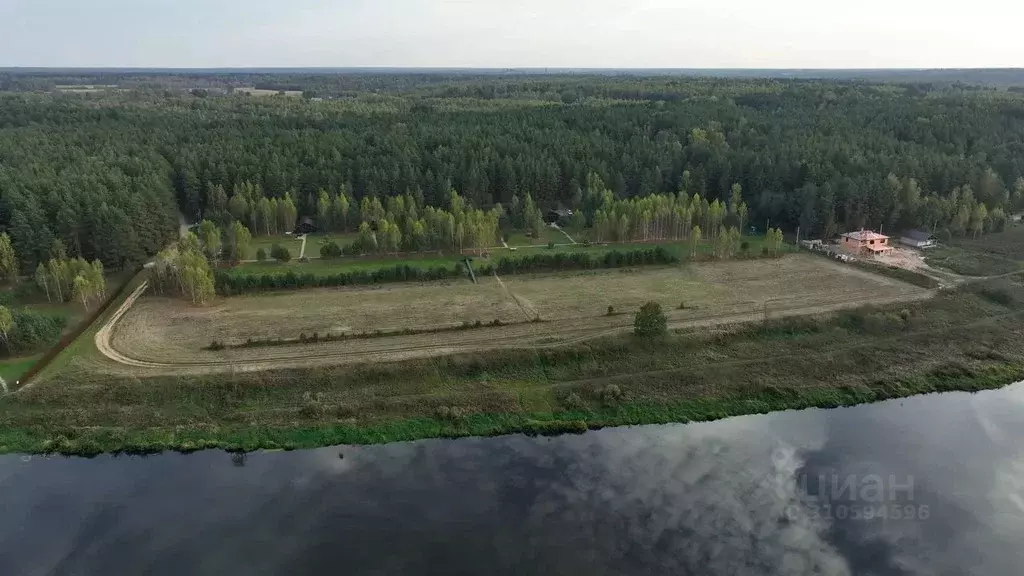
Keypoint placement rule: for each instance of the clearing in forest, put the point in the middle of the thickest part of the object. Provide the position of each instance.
(162, 335)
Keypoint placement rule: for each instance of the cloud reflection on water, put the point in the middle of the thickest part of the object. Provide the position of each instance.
(720, 498)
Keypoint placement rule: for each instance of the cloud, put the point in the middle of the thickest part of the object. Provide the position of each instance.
(526, 33)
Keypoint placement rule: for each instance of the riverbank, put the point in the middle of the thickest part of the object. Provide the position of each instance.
(966, 339)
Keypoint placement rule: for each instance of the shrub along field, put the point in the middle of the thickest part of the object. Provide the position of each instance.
(970, 338)
(428, 269)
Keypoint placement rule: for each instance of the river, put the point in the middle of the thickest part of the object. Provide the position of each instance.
(926, 485)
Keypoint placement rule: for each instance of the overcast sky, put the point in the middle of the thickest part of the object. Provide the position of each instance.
(513, 33)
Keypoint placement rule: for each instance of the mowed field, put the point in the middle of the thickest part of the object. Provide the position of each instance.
(166, 336)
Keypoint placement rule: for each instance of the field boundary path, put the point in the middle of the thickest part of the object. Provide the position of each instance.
(104, 334)
(564, 233)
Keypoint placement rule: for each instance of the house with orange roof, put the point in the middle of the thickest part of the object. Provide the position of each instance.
(866, 242)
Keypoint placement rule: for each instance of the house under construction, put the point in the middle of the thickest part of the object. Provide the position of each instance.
(866, 242)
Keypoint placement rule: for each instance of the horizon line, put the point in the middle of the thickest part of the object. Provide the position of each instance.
(511, 68)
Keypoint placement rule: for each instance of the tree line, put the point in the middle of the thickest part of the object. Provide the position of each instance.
(232, 283)
(60, 278)
(105, 174)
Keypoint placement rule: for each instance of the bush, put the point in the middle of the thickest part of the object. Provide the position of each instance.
(33, 331)
(450, 413)
(744, 246)
(280, 253)
(574, 402)
(611, 310)
(215, 345)
(331, 250)
(551, 245)
(261, 255)
(682, 305)
(612, 395)
(313, 410)
(650, 321)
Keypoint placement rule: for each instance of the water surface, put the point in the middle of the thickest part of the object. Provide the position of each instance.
(750, 495)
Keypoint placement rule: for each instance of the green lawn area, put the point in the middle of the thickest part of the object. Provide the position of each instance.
(320, 266)
(293, 244)
(70, 311)
(433, 260)
(525, 251)
(266, 242)
(546, 235)
(11, 369)
(679, 248)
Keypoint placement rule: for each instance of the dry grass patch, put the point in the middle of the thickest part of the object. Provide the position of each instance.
(170, 334)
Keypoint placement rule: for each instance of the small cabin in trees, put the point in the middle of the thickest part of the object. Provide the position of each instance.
(305, 226)
(560, 216)
(917, 239)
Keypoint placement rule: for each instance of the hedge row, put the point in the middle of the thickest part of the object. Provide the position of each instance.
(316, 337)
(230, 284)
(550, 262)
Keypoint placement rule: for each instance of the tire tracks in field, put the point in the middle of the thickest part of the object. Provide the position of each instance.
(568, 332)
(515, 299)
(105, 334)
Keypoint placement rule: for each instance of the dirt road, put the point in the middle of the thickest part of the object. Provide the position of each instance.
(103, 335)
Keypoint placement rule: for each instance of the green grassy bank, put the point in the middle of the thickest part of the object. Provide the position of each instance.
(966, 339)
